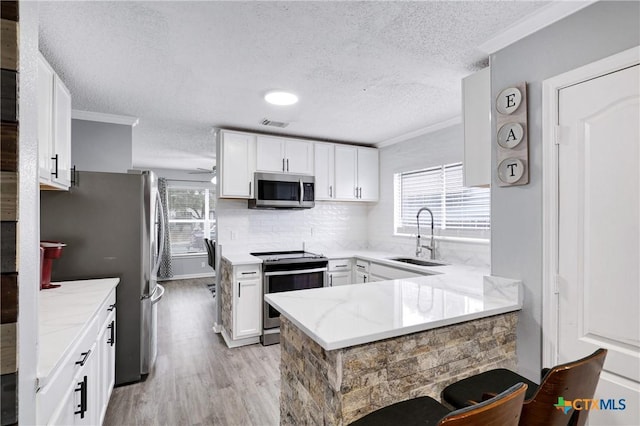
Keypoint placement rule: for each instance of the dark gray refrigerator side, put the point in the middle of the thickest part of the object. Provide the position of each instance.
(102, 221)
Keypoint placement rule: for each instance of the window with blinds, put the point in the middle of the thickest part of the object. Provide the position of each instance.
(455, 208)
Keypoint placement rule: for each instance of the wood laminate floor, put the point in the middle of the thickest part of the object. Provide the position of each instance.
(197, 380)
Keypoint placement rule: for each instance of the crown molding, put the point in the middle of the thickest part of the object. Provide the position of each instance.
(104, 118)
(423, 131)
(528, 25)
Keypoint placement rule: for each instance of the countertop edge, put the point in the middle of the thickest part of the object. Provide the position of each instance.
(43, 378)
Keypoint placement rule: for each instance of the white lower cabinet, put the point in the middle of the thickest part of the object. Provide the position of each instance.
(78, 390)
(339, 272)
(339, 278)
(247, 302)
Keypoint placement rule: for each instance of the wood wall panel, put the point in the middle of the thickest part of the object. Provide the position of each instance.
(8, 247)
(9, 10)
(9, 298)
(9, 96)
(8, 196)
(8, 347)
(9, 147)
(9, 42)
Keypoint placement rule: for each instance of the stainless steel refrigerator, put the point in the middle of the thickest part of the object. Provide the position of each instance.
(112, 225)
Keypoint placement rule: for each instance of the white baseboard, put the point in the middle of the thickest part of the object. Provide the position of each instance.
(189, 276)
(240, 342)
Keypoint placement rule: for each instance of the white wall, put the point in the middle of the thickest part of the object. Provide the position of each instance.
(29, 216)
(444, 146)
(595, 32)
(327, 226)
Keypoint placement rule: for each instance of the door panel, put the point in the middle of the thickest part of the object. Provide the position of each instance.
(599, 233)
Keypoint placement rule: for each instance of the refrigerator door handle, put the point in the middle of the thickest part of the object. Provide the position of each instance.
(155, 298)
(156, 267)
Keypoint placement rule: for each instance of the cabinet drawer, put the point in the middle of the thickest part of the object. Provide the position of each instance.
(391, 273)
(362, 265)
(340, 265)
(107, 307)
(49, 397)
(245, 272)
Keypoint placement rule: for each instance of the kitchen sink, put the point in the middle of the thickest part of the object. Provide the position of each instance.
(418, 262)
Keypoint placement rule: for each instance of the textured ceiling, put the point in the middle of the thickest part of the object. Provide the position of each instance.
(365, 72)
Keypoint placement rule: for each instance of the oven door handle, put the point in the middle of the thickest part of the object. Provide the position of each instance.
(295, 272)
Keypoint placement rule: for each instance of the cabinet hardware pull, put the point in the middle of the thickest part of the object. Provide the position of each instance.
(249, 273)
(341, 266)
(365, 278)
(74, 181)
(239, 289)
(111, 307)
(82, 388)
(287, 164)
(360, 192)
(356, 192)
(330, 191)
(330, 280)
(112, 338)
(84, 355)
(283, 164)
(249, 189)
(55, 158)
(360, 266)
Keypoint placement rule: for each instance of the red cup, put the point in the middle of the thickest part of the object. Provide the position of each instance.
(49, 250)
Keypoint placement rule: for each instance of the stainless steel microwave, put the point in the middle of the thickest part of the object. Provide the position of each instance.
(283, 191)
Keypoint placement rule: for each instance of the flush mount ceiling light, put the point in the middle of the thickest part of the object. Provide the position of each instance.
(279, 97)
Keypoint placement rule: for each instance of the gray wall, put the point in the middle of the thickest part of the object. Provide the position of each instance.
(101, 147)
(593, 33)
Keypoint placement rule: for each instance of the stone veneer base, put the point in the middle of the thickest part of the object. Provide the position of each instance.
(339, 386)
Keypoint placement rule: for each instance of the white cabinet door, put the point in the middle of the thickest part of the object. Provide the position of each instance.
(61, 173)
(298, 156)
(368, 174)
(107, 348)
(362, 277)
(346, 172)
(323, 170)
(476, 116)
(247, 321)
(64, 415)
(270, 155)
(339, 278)
(45, 119)
(237, 164)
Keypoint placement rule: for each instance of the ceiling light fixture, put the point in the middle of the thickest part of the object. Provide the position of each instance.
(278, 97)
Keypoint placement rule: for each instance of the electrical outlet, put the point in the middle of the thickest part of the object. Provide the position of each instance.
(202, 265)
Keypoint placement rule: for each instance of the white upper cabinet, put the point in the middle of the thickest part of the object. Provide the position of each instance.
(356, 173)
(346, 171)
(54, 128)
(283, 155)
(368, 174)
(324, 170)
(476, 114)
(236, 163)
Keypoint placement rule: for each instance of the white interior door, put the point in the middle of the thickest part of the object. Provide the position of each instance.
(599, 235)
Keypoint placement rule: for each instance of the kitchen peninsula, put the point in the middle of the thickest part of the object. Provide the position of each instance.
(349, 350)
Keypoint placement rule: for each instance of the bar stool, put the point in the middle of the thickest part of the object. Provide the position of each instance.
(573, 380)
(502, 410)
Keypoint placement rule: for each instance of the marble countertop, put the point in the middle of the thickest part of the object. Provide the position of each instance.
(240, 257)
(343, 316)
(63, 314)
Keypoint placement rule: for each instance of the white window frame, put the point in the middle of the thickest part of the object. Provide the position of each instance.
(463, 233)
(206, 222)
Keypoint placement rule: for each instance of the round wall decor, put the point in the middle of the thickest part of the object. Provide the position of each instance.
(508, 100)
(510, 135)
(510, 170)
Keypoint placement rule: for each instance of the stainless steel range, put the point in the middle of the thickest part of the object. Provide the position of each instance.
(287, 271)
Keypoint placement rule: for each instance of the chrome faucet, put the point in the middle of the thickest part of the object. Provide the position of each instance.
(419, 247)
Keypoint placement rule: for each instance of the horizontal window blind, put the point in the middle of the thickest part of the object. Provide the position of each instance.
(191, 218)
(440, 189)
